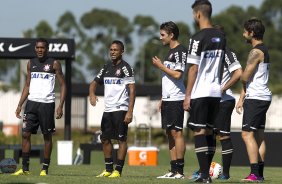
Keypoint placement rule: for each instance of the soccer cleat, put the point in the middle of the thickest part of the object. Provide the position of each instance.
(115, 174)
(21, 172)
(203, 180)
(104, 174)
(43, 173)
(167, 175)
(195, 175)
(223, 177)
(253, 178)
(176, 176)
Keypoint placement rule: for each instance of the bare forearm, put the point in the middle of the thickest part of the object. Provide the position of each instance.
(242, 94)
(92, 88)
(63, 93)
(24, 96)
(132, 95)
(172, 73)
(235, 77)
(192, 75)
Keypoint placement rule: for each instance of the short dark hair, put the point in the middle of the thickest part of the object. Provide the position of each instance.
(204, 6)
(170, 27)
(118, 42)
(44, 41)
(255, 25)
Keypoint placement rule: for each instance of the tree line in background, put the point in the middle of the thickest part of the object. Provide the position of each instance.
(95, 30)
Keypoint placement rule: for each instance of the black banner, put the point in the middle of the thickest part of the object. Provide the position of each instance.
(24, 48)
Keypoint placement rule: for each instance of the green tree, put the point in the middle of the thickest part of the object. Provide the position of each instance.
(95, 30)
(67, 27)
(102, 27)
(146, 28)
(270, 12)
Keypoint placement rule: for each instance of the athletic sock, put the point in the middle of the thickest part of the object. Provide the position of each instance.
(201, 149)
(261, 168)
(46, 164)
(109, 164)
(227, 153)
(119, 166)
(211, 141)
(255, 169)
(180, 165)
(25, 161)
(173, 166)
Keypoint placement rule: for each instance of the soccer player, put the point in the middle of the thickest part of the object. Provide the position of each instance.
(39, 111)
(255, 98)
(203, 91)
(231, 74)
(173, 93)
(119, 96)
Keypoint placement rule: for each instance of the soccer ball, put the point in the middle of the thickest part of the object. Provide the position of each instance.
(215, 170)
(8, 165)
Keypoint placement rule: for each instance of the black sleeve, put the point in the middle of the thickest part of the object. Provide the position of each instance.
(100, 77)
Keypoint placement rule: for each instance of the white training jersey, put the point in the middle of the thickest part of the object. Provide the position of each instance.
(231, 64)
(174, 89)
(257, 84)
(42, 81)
(206, 49)
(115, 79)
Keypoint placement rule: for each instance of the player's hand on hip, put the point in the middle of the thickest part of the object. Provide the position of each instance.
(18, 111)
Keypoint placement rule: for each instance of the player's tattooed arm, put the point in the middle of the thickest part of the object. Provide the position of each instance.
(254, 58)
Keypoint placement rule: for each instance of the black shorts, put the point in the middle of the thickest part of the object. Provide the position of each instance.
(172, 113)
(39, 114)
(222, 121)
(254, 114)
(113, 126)
(203, 112)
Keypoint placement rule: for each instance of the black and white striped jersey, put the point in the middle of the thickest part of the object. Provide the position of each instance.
(174, 89)
(42, 81)
(115, 79)
(206, 49)
(257, 85)
(231, 64)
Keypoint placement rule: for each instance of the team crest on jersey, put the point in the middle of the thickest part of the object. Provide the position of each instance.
(118, 72)
(46, 68)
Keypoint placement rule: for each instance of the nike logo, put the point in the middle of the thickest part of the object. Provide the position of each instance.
(34, 66)
(13, 49)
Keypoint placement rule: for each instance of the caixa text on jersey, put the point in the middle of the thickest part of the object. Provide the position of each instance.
(212, 53)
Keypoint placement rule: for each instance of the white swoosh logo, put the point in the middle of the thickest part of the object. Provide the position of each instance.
(13, 49)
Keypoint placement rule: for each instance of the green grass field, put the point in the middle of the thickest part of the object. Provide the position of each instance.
(84, 174)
